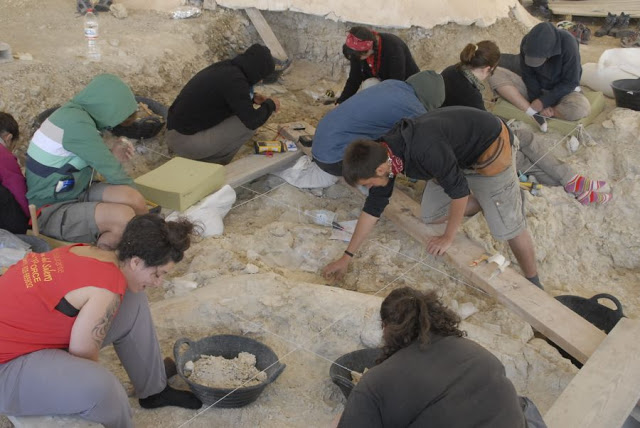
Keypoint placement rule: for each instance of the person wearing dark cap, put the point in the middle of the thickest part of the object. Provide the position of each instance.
(373, 55)
(215, 113)
(372, 113)
(549, 80)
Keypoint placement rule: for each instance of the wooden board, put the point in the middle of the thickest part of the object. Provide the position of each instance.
(255, 166)
(564, 327)
(506, 110)
(266, 33)
(605, 391)
(595, 7)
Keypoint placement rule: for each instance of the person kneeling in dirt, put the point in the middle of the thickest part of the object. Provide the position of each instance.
(372, 113)
(14, 208)
(463, 87)
(214, 114)
(429, 375)
(65, 153)
(75, 300)
(374, 57)
(460, 151)
(546, 81)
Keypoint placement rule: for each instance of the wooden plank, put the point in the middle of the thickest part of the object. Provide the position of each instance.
(255, 166)
(606, 389)
(564, 327)
(596, 8)
(266, 33)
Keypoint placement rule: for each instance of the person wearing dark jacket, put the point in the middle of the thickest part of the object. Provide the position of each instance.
(373, 55)
(463, 87)
(214, 114)
(429, 375)
(549, 83)
(458, 151)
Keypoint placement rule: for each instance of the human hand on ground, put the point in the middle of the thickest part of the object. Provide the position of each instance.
(336, 270)
(537, 105)
(123, 150)
(438, 245)
(259, 98)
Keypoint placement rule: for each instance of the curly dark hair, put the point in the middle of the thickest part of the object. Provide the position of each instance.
(156, 241)
(408, 315)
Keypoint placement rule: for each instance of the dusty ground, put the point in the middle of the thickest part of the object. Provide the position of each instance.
(580, 250)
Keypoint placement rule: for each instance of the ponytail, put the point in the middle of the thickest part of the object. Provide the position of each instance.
(484, 54)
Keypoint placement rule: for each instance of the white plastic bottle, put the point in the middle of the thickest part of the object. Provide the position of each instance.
(91, 34)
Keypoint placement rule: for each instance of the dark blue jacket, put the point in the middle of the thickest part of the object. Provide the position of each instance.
(561, 72)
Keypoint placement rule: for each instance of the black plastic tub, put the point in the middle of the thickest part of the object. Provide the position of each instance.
(356, 361)
(227, 346)
(627, 93)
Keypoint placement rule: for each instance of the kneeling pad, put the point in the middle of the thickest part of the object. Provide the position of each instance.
(181, 182)
(506, 110)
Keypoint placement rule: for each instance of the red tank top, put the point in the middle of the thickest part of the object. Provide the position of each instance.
(32, 288)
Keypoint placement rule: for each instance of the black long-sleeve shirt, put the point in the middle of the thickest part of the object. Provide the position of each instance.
(459, 91)
(439, 144)
(396, 62)
(218, 92)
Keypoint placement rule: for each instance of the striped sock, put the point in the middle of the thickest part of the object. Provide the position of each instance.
(597, 198)
(579, 184)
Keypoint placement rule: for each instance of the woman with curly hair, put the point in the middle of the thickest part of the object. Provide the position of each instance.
(58, 309)
(430, 375)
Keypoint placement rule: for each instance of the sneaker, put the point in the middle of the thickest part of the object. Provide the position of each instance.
(621, 25)
(609, 22)
(541, 121)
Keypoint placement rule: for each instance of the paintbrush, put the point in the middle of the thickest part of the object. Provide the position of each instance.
(336, 225)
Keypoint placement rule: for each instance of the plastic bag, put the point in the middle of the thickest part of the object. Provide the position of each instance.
(210, 211)
(183, 12)
(12, 249)
(306, 174)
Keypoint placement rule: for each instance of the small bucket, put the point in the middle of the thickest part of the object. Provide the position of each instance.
(627, 93)
(357, 361)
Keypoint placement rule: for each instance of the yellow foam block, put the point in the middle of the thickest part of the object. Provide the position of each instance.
(506, 110)
(181, 182)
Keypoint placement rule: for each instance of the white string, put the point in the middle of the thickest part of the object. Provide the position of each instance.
(551, 149)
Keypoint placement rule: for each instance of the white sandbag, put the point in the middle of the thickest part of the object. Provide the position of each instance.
(210, 211)
(614, 64)
(306, 174)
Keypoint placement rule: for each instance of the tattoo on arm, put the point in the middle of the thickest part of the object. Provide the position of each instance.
(99, 332)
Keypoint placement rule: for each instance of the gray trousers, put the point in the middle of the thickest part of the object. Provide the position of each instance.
(54, 382)
(218, 144)
(548, 170)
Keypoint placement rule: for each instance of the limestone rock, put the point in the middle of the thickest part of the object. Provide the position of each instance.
(119, 10)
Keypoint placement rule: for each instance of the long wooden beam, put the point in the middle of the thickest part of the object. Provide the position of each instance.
(605, 391)
(255, 166)
(564, 327)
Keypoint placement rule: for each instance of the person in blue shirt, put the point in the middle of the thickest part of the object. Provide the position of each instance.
(371, 113)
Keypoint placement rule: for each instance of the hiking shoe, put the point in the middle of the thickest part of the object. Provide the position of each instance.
(609, 22)
(632, 41)
(622, 24)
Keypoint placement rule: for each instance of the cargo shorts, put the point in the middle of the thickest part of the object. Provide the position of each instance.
(499, 196)
(75, 220)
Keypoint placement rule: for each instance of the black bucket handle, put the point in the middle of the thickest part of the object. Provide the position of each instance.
(612, 298)
(176, 352)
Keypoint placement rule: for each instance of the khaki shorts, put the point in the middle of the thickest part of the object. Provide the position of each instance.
(573, 106)
(498, 195)
(74, 221)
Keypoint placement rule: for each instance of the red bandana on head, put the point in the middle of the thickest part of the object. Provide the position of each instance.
(397, 165)
(357, 44)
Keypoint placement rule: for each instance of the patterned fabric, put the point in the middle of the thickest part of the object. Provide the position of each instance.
(357, 44)
(397, 165)
(473, 79)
